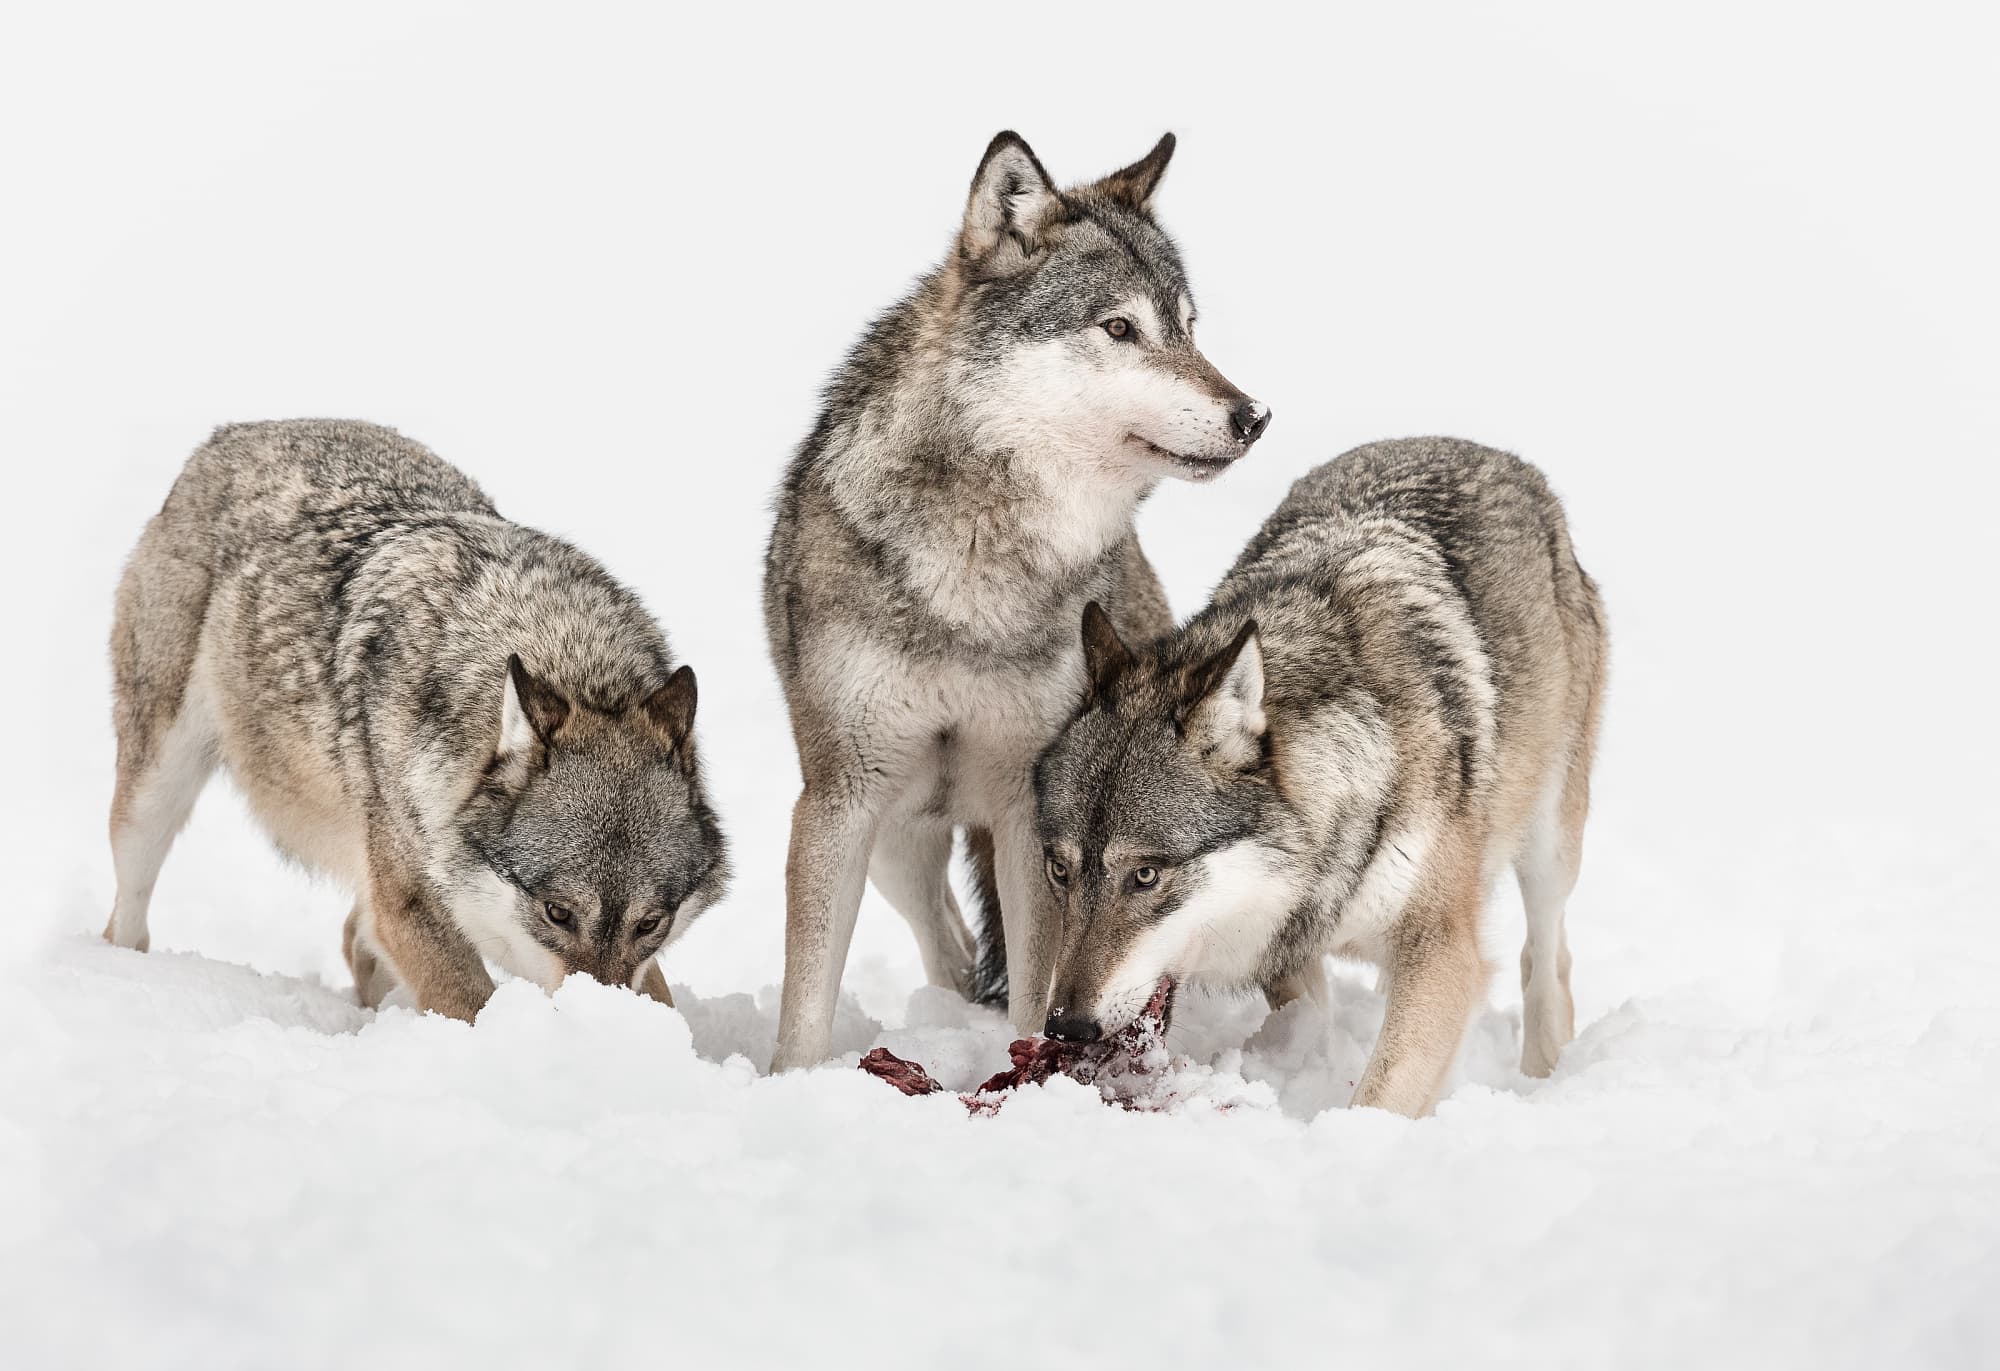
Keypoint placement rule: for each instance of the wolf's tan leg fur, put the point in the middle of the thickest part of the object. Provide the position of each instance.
(374, 979)
(431, 956)
(824, 874)
(1435, 981)
(653, 984)
(1546, 869)
(911, 866)
(165, 720)
(160, 776)
(1030, 923)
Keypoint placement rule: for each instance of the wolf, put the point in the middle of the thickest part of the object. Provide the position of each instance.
(467, 723)
(1393, 694)
(970, 482)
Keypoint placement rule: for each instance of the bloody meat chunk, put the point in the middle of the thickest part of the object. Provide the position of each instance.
(1133, 1051)
(907, 1077)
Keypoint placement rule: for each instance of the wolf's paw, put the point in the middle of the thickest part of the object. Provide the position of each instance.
(1548, 1022)
(1541, 1048)
(139, 943)
(1539, 1059)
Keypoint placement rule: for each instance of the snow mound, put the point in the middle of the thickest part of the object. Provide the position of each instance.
(205, 1165)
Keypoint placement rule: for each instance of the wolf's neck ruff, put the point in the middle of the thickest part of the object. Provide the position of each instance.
(985, 519)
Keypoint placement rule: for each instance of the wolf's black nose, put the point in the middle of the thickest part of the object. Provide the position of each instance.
(1249, 420)
(1069, 1028)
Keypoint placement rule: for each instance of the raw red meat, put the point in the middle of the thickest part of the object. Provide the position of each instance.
(907, 1077)
(1115, 1065)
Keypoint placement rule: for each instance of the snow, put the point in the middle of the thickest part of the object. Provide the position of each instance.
(1727, 276)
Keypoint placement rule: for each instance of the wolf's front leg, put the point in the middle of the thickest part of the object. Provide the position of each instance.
(432, 957)
(1435, 981)
(373, 981)
(1027, 916)
(1307, 983)
(824, 874)
(652, 983)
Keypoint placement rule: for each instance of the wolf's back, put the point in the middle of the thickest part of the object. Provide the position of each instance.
(252, 482)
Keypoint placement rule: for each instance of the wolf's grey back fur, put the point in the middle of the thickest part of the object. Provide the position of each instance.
(1365, 579)
(375, 655)
(351, 602)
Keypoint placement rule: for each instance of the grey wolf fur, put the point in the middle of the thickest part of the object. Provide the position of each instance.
(1392, 696)
(468, 723)
(969, 485)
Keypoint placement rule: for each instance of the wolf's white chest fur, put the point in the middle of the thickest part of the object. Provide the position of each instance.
(948, 737)
(1372, 909)
(1045, 509)
(1249, 892)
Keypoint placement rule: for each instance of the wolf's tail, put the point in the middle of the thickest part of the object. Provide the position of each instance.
(989, 977)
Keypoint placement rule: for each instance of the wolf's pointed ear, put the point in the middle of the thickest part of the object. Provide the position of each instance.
(1222, 701)
(531, 710)
(1133, 186)
(1105, 656)
(669, 712)
(1012, 200)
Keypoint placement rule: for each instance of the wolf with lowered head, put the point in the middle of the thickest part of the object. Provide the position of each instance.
(467, 723)
(1392, 696)
(970, 484)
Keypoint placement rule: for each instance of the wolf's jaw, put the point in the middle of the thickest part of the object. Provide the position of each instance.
(1197, 468)
(1157, 1007)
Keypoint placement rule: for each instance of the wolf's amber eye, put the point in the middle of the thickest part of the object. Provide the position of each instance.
(1058, 871)
(1146, 877)
(645, 928)
(557, 915)
(1118, 328)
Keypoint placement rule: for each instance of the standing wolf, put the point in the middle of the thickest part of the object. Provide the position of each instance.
(468, 723)
(970, 483)
(1392, 696)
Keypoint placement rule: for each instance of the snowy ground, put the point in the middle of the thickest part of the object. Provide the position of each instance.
(1728, 279)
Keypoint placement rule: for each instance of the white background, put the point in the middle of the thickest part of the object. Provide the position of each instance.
(1726, 273)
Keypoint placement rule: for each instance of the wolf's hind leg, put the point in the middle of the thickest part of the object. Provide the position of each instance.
(165, 719)
(911, 866)
(1546, 868)
(149, 807)
(989, 976)
(374, 978)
